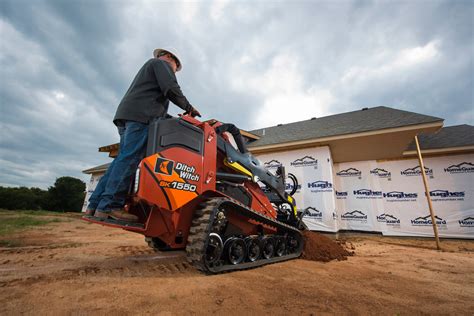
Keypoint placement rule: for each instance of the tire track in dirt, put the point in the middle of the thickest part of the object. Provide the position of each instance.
(139, 262)
(135, 250)
(36, 249)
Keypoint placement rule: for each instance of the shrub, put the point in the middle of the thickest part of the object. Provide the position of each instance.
(67, 194)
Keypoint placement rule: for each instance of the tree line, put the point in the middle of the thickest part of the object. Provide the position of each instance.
(67, 195)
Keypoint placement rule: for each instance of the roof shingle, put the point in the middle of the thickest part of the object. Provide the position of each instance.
(447, 137)
(369, 119)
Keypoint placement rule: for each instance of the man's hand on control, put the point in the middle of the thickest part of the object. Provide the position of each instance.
(193, 112)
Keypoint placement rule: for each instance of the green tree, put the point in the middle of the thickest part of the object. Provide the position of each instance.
(22, 198)
(67, 195)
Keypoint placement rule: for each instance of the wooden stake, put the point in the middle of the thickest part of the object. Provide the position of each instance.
(427, 190)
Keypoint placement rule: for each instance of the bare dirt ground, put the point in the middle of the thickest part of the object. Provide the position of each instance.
(77, 268)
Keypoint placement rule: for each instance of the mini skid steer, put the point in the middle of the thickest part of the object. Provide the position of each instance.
(195, 191)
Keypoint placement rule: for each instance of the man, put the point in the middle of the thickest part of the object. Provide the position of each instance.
(147, 99)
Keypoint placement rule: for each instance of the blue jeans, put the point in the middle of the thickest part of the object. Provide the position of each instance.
(112, 189)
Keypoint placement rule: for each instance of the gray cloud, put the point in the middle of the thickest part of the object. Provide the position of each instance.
(66, 64)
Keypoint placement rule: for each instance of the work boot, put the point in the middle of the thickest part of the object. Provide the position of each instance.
(121, 215)
(90, 212)
(101, 214)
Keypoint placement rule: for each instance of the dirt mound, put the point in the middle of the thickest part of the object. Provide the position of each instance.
(320, 248)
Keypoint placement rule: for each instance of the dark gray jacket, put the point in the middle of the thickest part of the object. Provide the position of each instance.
(149, 94)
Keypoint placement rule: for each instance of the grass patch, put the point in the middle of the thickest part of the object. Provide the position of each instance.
(31, 212)
(10, 224)
(40, 213)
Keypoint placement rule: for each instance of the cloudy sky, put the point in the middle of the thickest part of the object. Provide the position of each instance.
(64, 66)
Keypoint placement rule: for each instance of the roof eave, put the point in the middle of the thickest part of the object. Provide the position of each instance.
(93, 170)
(316, 141)
(249, 135)
(109, 148)
(447, 150)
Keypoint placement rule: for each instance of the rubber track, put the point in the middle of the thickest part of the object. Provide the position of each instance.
(201, 228)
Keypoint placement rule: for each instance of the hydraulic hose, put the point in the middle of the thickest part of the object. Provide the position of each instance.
(295, 183)
(231, 128)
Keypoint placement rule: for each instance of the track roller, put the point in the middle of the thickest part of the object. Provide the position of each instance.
(253, 248)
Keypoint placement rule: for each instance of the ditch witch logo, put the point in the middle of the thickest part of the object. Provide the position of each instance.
(350, 172)
(463, 167)
(367, 194)
(272, 164)
(306, 161)
(388, 219)
(398, 196)
(381, 173)
(426, 221)
(354, 216)
(320, 186)
(445, 195)
(467, 222)
(416, 171)
(311, 212)
(165, 166)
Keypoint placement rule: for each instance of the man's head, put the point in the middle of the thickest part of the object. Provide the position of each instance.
(168, 56)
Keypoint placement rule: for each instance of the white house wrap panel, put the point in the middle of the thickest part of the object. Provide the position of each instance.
(387, 197)
(315, 195)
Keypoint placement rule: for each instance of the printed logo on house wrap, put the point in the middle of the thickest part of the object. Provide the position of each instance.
(426, 221)
(356, 216)
(398, 196)
(381, 173)
(341, 195)
(289, 187)
(445, 195)
(389, 220)
(306, 161)
(381, 218)
(367, 194)
(313, 213)
(416, 171)
(320, 186)
(463, 167)
(467, 222)
(350, 172)
(272, 164)
(334, 216)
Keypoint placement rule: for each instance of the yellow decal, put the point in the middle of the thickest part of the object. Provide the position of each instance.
(291, 200)
(238, 167)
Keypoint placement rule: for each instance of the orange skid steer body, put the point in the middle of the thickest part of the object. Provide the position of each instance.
(195, 191)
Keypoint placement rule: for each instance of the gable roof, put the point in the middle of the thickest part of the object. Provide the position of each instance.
(365, 120)
(448, 139)
(97, 169)
(451, 136)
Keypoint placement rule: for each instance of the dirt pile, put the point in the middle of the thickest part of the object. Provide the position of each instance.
(321, 248)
